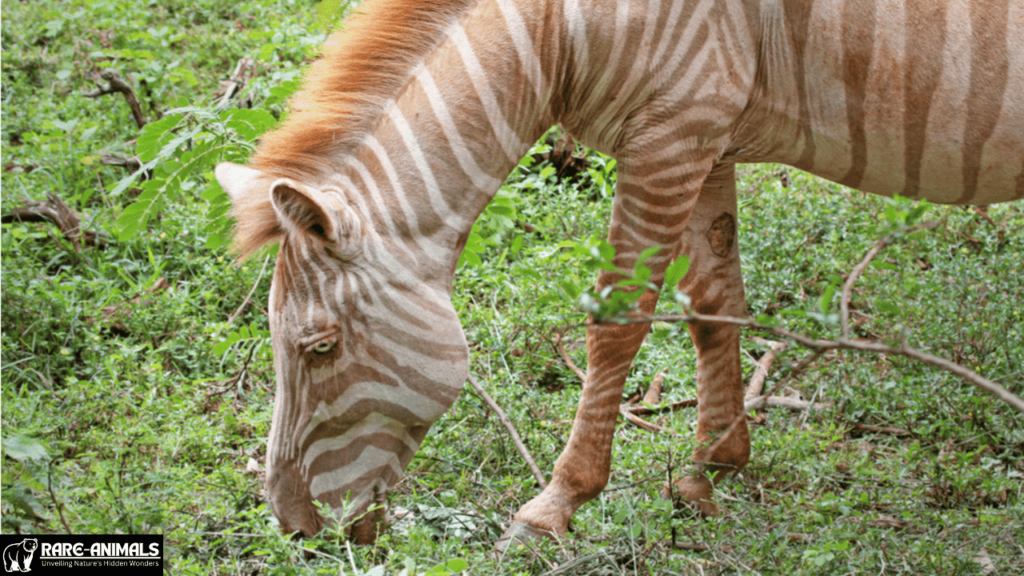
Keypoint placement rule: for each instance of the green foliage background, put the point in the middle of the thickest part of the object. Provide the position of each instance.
(152, 416)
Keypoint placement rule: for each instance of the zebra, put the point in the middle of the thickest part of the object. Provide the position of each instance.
(416, 112)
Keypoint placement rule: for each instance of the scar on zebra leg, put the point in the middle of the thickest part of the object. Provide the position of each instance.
(714, 284)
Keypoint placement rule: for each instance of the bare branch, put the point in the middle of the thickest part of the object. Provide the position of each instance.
(763, 365)
(229, 88)
(844, 302)
(511, 431)
(640, 422)
(783, 402)
(568, 361)
(653, 395)
(640, 409)
(819, 345)
(115, 83)
(54, 210)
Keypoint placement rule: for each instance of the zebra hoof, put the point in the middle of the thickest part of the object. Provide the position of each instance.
(695, 492)
(521, 533)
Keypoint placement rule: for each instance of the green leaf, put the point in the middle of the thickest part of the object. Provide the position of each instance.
(327, 13)
(645, 255)
(825, 302)
(22, 448)
(676, 271)
(457, 564)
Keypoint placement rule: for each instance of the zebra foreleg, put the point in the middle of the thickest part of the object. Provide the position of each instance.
(644, 215)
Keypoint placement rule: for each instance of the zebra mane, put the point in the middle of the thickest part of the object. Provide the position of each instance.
(362, 68)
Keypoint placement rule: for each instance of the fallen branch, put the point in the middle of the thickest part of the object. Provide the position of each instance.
(55, 211)
(511, 431)
(115, 83)
(821, 345)
(568, 361)
(640, 422)
(783, 402)
(227, 89)
(761, 369)
(640, 409)
(882, 429)
(653, 395)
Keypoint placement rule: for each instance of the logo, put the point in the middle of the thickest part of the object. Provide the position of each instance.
(86, 554)
(18, 556)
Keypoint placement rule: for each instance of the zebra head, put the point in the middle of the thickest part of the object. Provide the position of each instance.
(367, 352)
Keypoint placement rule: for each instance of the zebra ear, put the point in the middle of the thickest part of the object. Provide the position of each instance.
(235, 179)
(309, 211)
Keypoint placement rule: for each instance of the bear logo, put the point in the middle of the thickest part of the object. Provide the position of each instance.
(18, 557)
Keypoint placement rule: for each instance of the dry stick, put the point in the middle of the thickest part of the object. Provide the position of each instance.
(761, 368)
(117, 84)
(568, 361)
(249, 296)
(819, 345)
(54, 210)
(757, 402)
(644, 410)
(783, 402)
(640, 422)
(653, 395)
(844, 302)
(511, 431)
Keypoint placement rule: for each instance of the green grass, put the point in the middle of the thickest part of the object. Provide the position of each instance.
(130, 421)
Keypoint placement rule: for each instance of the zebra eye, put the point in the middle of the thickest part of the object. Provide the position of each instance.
(323, 347)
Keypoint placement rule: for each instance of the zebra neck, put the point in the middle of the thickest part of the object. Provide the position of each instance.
(447, 141)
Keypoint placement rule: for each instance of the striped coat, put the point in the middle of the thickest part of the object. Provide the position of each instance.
(418, 111)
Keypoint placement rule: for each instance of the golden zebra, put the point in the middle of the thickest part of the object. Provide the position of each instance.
(416, 113)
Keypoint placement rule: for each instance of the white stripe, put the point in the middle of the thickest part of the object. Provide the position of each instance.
(437, 201)
(524, 47)
(507, 138)
(370, 458)
(482, 180)
(374, 423)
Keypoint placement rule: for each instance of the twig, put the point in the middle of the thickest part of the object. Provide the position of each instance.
(568, 361)
(132, 164)
(117, 84)
(229, 88)
(756, 403)
(640, 409)
(56, 504)
(54, 210)
(511, 431)
(819, 345)
(761, 369)
(640, 422)
(783, 402)
(251, 291)
(844, 302)
(239, 378)
(653, 395)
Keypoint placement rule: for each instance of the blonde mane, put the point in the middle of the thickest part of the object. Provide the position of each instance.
(363, 67)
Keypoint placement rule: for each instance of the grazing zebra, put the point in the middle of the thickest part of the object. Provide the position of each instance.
(415, 114)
